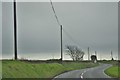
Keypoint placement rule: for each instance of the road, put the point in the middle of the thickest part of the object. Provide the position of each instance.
(95, 72)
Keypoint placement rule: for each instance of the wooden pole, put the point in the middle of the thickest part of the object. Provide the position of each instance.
(88, 54)
(61, 43)
(15, 32)
(95, 53)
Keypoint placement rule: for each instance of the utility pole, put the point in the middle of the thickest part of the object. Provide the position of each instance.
(15, 31)
(111, 55)
(53, 56)
(61, 43)
(95, 53)
(116, 58)
(100, 56)
(88, 54)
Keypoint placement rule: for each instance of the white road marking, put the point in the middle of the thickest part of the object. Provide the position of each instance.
(82, 77)
(83, 73)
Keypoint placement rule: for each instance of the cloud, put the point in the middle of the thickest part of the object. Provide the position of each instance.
(89, 24)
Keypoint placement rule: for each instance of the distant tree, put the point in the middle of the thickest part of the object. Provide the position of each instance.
(94, 58)
(112, 59)
(75, 53)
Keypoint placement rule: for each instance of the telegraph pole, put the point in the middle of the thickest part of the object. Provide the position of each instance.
(61, 42)
(95, 53)
(88, 54)
(60, 29)
(111, 55)
(15, 31)
(100, 56)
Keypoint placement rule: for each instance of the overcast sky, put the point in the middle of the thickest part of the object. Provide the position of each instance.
(93, 24)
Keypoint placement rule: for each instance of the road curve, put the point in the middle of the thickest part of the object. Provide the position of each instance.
(95, 72)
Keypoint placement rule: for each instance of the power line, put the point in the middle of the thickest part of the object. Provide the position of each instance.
(67, 34)
(55, 13)
(60, 24)
(70, 37)
(61, 44)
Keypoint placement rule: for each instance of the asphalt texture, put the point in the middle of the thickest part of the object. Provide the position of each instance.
(94, 72)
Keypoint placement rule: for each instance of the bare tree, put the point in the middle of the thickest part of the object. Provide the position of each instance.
(75, 53)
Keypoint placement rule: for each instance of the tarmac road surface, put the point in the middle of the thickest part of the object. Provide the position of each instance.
(95, 72)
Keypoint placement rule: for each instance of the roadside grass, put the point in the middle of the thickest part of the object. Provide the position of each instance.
(18, 69)
(77, 65)
(21, 69)
(113, 71)
(114, 62)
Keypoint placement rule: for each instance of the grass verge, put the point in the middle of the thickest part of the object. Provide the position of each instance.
(20, 69)
(113, 71)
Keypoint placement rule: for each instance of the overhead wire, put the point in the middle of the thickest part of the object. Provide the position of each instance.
(71, 38)
(55, 13)
(67, 34)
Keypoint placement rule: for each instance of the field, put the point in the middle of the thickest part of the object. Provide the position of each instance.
(22, 69)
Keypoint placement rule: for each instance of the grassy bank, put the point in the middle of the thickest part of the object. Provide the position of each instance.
(113, 71)
(20, 69)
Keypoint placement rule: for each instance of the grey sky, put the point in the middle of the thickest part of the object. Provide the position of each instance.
(90, 24)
